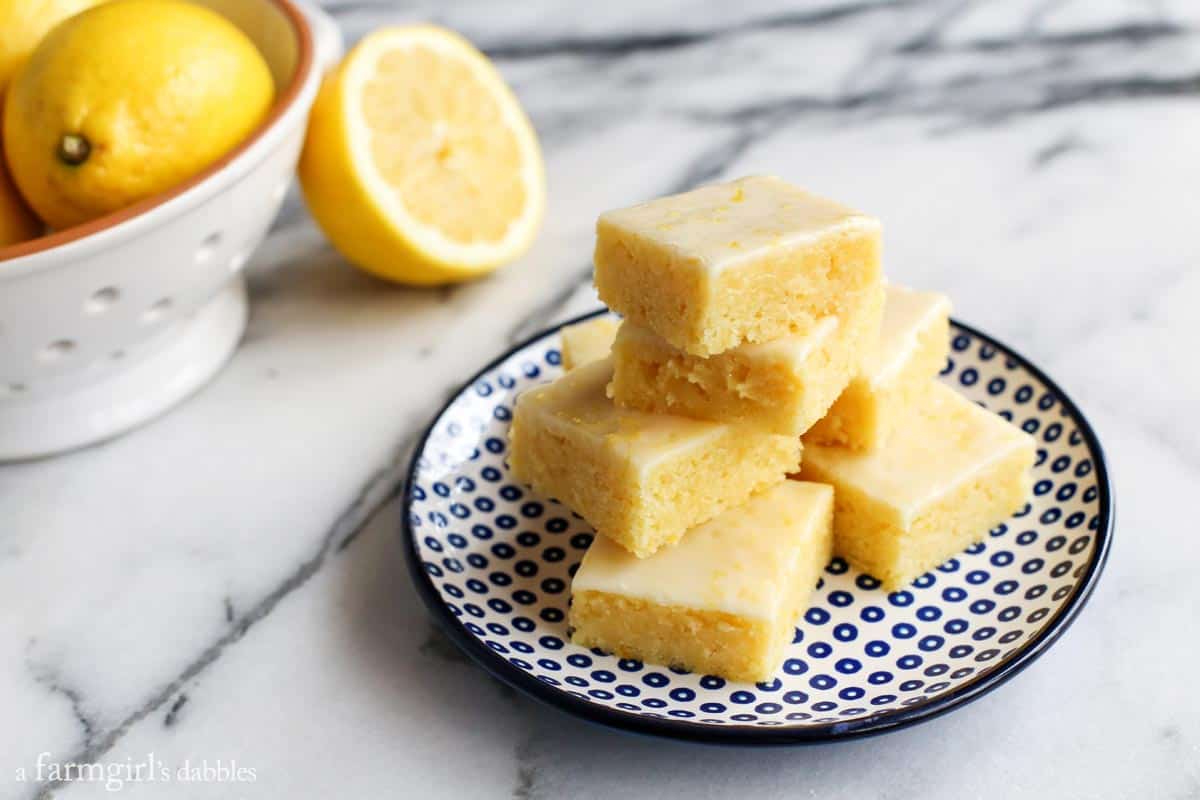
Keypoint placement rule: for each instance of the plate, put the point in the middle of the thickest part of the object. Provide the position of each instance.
(493, 562)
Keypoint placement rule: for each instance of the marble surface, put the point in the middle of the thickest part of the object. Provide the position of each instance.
(225, 584)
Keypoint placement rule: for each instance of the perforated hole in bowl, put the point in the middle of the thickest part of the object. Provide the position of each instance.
(157, 311)
(102, 300)
(208, 247)
(12, 389)
(56, 350)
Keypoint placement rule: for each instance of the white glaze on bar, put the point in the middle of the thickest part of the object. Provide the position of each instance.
(577, 404)
(738, 563)
(907, 313)
(943, 444)
(718, 226)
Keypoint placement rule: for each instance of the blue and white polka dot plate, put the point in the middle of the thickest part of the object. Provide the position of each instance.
(493, 561)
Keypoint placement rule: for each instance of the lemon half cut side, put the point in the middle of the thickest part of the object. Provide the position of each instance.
(420, 164)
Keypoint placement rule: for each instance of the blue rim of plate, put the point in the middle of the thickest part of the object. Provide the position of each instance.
(885, 722)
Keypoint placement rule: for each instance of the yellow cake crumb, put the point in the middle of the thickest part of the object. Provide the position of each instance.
(668, 266)
(723, 600)
(782, 386)
(639, 479)
(912, 348)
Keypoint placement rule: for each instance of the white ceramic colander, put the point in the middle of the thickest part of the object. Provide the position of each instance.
(106, 325)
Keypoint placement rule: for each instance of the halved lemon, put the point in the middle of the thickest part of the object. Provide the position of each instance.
(420, 165)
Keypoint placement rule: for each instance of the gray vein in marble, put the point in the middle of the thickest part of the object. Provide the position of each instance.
(778, 111)
(1057, 149)
(527, 770)
(928, 40)
(390, 484)
(1065, 94)
(626, 44)
(897, 102)
(1048, 76)
(931, 36)
(710, 164)
(172, 715)
(1135, 33)
(47, 678)
(627, 41)
(536, 319)
(381, 487)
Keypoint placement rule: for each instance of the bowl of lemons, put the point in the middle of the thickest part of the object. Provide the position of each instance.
(146, 148)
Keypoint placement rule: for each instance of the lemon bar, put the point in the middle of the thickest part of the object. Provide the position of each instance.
(640, 479)
(912, 349)
(783, 386)
(946, 476)
(748, 261)
(587, 341)
(723, 600)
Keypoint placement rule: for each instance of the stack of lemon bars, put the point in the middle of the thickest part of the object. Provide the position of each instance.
(766, 402)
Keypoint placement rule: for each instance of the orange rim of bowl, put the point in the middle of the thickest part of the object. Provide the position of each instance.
(304, 65)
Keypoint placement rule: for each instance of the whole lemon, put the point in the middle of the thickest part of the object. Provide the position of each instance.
(16, 222)
(127, 100)
(23, 23)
